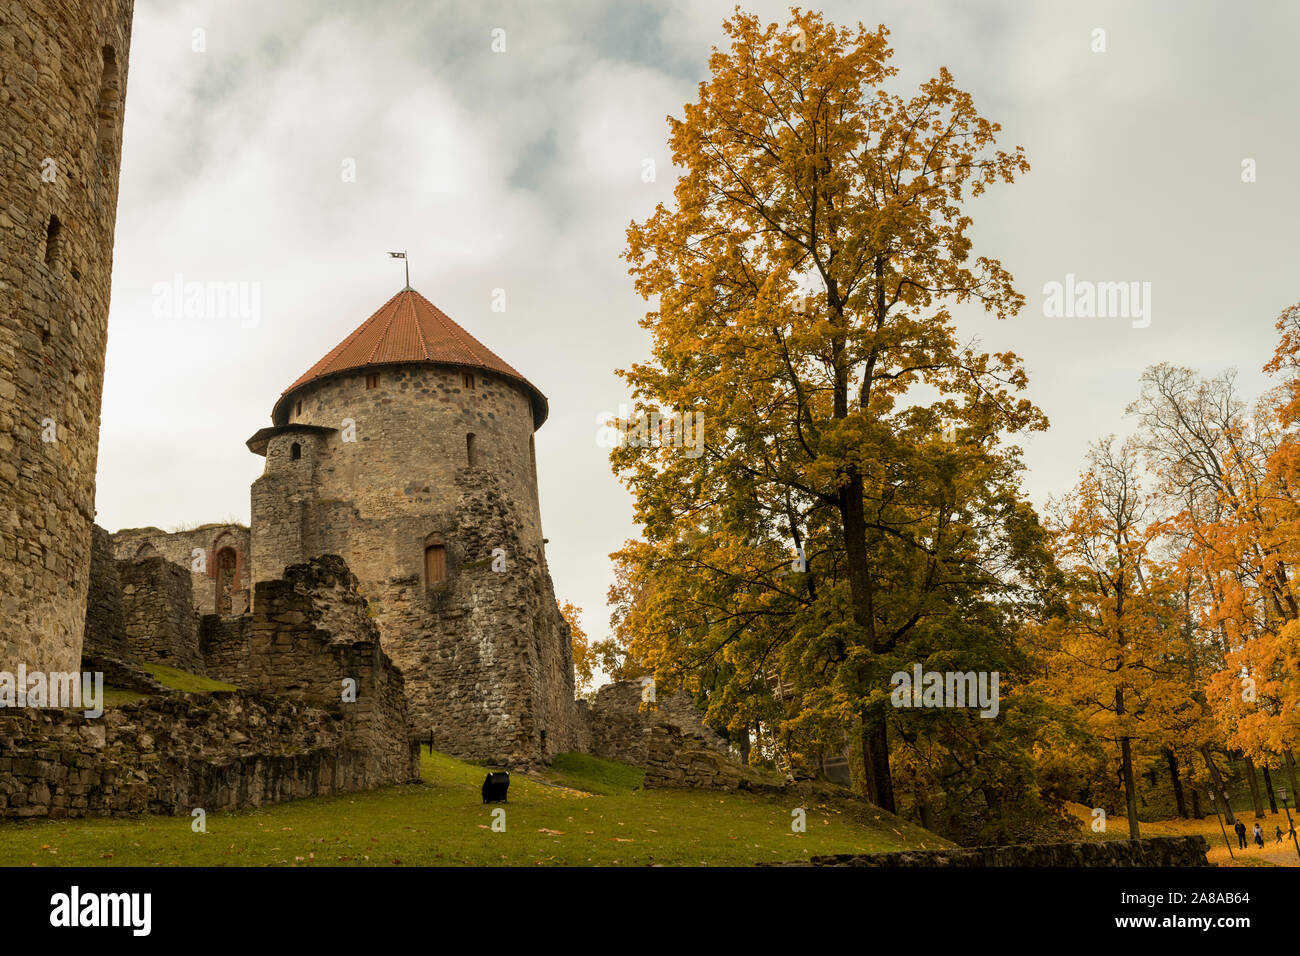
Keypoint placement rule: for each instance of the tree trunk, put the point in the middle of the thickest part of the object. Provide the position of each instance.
(1172, 758)
(1196, 803)
(923, 808)
(1268, 785)
(1130, 791)
(875, 739)
(878, 786)
(1216, 784)
(1290, 769)
(1253, 781)
(1126, 767)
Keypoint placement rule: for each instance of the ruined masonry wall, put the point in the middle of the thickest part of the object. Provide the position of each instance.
(292, 736)
(179, 547)
(620, 727)
(158, 614)
(168, 755)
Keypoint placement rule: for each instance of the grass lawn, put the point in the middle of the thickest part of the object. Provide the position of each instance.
(587, 812)
(170, 676)
(183, 680)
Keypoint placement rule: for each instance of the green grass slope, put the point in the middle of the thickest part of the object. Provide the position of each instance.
(587, 812)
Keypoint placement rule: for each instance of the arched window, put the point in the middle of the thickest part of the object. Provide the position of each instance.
(146, 550)
(435, 560)
(295, 451)
(471, 452)
(226, 582)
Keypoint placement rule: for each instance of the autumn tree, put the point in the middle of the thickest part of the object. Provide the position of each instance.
(1114, 654)
(1223, 466)
(801, 287)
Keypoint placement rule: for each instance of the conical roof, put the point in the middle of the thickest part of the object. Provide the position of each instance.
(408, 328)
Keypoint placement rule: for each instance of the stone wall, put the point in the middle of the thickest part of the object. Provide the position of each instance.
(1151, 851)
(158, 613)
(105, 627)
(620, 726)
(216, 555)
(169, 755)
(676, 758)
(311, 637)
(63, 69)
(295, 729)
(223, 642)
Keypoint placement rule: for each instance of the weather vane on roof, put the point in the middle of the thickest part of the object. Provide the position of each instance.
(402, 255)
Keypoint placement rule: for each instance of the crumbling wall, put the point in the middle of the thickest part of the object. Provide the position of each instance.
(158, 613)
(676, 758)
(621, 722)
(169, 755)
(223, 642)
(200, 551)
(312, 637)
(323, 711)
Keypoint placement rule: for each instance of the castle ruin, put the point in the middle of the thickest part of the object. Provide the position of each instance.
(395, 540)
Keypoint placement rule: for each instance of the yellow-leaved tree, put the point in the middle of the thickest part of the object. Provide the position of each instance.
(852, 488)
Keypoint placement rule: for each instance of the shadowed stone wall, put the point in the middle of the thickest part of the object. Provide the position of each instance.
(105, 627)
(294, 733)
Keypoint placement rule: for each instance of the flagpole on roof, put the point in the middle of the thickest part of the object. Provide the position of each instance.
(402, 255)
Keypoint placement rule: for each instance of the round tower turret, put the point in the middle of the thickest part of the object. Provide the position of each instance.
(409, 451)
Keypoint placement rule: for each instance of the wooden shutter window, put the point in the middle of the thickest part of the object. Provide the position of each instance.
(435, 562)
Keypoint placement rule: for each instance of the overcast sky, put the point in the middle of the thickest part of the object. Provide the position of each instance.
(520, 170)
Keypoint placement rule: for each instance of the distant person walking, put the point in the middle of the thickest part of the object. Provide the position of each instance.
(1279, 834)
(1241, 834)
(1259, 837)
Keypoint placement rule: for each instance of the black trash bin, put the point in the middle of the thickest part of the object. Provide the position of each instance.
(495, 786)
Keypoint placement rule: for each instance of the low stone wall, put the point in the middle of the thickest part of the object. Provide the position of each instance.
(158, 613)
(619, 728)
(675, 758)
(170, 755)
(1152, 851)
(324, 712)
(105, 628)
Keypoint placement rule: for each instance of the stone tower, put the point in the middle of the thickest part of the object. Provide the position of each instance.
(62, 81)
(408, 450)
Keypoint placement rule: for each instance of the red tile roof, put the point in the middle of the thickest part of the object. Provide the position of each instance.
(409, 328)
